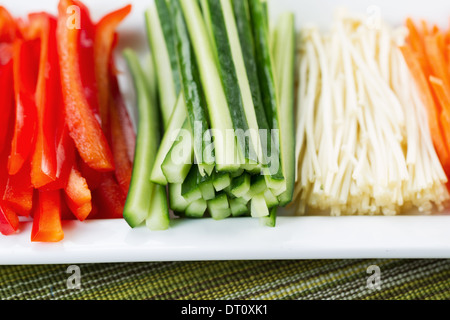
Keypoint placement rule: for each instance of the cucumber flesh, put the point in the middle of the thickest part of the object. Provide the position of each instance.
(224, 143)
(137, 204)
(177, 202)
(238, 207)
(271, 199)
(221, 180)
(241, 185)
(196, 209)
(285, 50)
(271, 220)
(258, 206)
(219, 207)
(158, 218)
(176, 122)
(162, 58)
(180, 157)
(207, 190)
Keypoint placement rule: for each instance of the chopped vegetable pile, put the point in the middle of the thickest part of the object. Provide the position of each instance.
(66, 139)
(223, 93)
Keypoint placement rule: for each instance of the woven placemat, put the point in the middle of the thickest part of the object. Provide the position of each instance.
(231, 280)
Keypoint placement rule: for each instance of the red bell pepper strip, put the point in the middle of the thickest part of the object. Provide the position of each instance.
(111, 198)
(48, 101)
(18, 192)
(26, 62)
(124, 166)
(103, 48)
(86, 39)
(65, 157)
(8, 27)
(6, 91)
(9, 221)
(47, 218)
(78, 196)
(84, 128)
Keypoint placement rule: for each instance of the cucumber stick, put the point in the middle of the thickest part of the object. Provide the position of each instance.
(232, 71)
(284, 47)
(179, 159)
(271, 219)
(274, 172)
(219, 115)
(176, 123)
(196, 209)
(137, 206)
(158, 218)
(177, 202)
(221, 180)
(219, 207)
(258, 206)
(238, 207)
(161, 39)
(193, 91)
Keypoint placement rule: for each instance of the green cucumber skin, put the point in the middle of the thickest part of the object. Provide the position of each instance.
(158, 219)
(221, 180)
(191, 84)
(228, 73)
(177, 202)
(190, 184)
(137, 205)
(240, 185)
(287, 40)
(168, 28)
(167, 94)
(241, 12)
(176, 123)
(225, 148)
(238, 207)
(271, 220)
(182, 168)
(266, 78)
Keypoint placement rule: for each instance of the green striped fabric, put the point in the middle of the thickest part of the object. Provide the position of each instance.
(243, 280)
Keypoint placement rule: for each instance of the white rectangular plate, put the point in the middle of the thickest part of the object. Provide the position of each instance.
(236, 239)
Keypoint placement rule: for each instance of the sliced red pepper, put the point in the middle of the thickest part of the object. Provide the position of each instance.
(65, 158)
(84, 128)
(48, 102)
(47, 218)
(9, 221)
(86, 39)
(78, 196)
(124, 166)
(6, 91)
(19, 192)
(26, 66)
(127, 126)
(8, 27)
(103, 49)
(111, 198)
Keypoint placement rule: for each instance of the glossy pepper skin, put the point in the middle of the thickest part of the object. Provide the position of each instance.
(83, 125)
(6, 91)
(47, 225)
(25, 67)
(114, 120)
(44, 165)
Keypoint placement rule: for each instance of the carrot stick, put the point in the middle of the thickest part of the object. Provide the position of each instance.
(429, 102)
